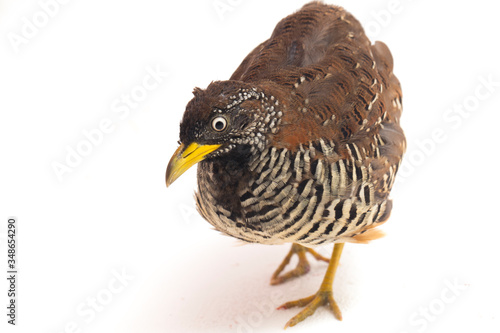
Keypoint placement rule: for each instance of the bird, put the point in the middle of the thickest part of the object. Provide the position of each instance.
(301, 145)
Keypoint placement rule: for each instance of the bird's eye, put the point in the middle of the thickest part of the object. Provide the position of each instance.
(219, 124)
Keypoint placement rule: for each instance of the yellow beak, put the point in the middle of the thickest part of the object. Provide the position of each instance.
(183, 159)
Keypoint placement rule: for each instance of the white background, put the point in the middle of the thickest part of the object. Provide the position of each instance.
(111, 214)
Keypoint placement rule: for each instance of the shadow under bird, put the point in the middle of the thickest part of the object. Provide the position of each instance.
(301, 145)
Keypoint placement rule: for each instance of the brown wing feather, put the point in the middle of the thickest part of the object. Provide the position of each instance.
(335, 85)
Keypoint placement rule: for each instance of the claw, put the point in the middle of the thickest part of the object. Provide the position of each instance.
(311, 303)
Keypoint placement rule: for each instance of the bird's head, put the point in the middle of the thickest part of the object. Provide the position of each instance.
(229, 117)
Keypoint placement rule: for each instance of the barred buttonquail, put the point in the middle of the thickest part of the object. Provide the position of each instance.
(301, 145)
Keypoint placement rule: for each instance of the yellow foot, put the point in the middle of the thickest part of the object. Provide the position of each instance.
(311, 303)
(324, 296)
(302, 267)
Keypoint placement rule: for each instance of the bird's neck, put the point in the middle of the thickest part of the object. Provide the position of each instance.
(229, 168)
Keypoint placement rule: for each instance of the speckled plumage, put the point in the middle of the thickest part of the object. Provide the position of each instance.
(313, 142)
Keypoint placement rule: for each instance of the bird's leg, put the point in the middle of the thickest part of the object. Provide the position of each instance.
(324, 296)
(302, 267)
